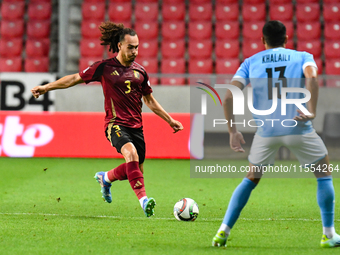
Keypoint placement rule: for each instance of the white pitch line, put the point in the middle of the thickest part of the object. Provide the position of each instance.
(157, 218)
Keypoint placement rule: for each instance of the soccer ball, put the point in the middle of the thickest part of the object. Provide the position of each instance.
(186, 209)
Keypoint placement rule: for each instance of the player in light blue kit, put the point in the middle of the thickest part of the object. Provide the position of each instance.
(279, 67)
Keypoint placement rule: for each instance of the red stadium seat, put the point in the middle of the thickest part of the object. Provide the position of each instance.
(227, 30)
(11, 29)
(90, 47)
(289, 29)
(147, 30)
(38, 29)
(331, 12)
(93, 11)
(313, 46)
(308, 30)
(253, 30)
(172, 1)
(12, 1)
(148, 48)
(12, 10)
(173, 48)
(290, 44)
(225, 1)
(174, 11)
(252, 1)
(306, 1)
(173, 65)
(200, 12)
(199, 1)
(227, 48)
(150, 64)
(279, 2)
(332, 30)
(39, 11)
(173, 30)
(200, 66)
(146, 11)
(145, 1)
(39, 1)
(200, 30)
(89, 28)
(11, 47)
(330, 1)
(318, 62)
(85, 62)
(307, 12)
(120, 11)
(332, 49)
(251, 47)
(332, 66)
(200, 48)
(37, 47)
(11, 64)
(283, 11)
(227, 66)
(36, 65)
(226, 11)
(254, 12)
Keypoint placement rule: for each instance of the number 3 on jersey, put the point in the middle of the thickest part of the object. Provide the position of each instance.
(281, 78)
(128, 87)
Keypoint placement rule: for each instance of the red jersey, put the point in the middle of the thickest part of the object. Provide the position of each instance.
(123, 89)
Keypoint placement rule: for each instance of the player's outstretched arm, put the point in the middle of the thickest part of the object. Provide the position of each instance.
(235, 137)
(154, 106)
(63, 83)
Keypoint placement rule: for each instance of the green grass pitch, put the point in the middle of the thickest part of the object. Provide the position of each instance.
(59, 210)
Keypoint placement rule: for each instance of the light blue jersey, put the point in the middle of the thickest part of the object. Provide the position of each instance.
(278, 67)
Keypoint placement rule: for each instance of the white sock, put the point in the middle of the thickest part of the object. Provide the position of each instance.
(224, 228)
(141, 201)
(328, 231)
(106, 178)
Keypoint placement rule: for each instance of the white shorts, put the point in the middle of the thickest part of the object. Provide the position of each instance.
(308, 148)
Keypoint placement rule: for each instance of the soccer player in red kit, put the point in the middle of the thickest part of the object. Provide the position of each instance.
(124, 83)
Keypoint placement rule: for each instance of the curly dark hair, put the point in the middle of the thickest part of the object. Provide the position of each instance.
(113, 33)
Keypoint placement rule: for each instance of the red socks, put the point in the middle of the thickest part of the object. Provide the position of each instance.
(131, 172)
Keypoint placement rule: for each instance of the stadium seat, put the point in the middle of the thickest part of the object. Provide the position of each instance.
(11, 47)
(39, 1)
(332, 30)
(12, 1)
(36, 65)
(148, 48)
(93, 11)
(38, 29)
(252, 1)
(39, 11)
(254, 12)
(313, 46)
(251, 47)
(204, 66)
(199, 1)
(318, 62)
(289, 29)
(200, 48)
(224, 1)
(227, 48)
(146, 12)
(173, 48)
(90, 47)
(307, 12)
(332, 49)
(307, 1)
(147, 30)
(11, 29)
(120, 11)
(173, 30)
(12, 10)
(253, 29)
(173, 65)
(284, 11)
(200, 30)
(227, 66)
(226, 11)
(331, 12)
(332, 66)
(172, 1)
(37, 47)
(227, 30)
(290, 44)
(145, 1)
(85, 62)
(330, 1)
(13, 64)
(200, 12)
(279, 2)
(308, 30)
(175, 11)
(89, 28)
(150, 64)
(101, 1)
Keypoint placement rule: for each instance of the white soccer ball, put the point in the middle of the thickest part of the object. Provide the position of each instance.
(186, 209)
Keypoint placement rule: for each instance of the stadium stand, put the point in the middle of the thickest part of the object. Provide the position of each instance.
(284, 11)
(226, 11)
(120, 11)
(173, 11)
